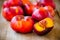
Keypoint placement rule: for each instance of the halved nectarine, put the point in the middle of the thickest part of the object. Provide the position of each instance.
(44, 26)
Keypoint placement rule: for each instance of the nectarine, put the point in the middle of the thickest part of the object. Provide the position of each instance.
(39, 14)
(22, 24)
(9, 13)
(44, 26)
(9, 3)
(46, 3)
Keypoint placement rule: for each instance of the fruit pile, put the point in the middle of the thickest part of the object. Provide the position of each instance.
(26, 17)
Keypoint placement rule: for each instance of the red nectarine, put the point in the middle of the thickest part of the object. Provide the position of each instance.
(39, 14)
(46, 3)
(9, 3)
(28, 7)
(9, 13)
(22, 24)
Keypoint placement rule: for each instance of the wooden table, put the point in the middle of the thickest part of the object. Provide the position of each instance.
(6, 33)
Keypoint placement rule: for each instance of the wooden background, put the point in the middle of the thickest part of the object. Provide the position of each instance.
(6, 33)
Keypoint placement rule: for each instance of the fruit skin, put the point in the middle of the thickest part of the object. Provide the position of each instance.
(28, 9)
(51, 12)
(9, 3)
(46, 3)
(42, 26)
(9, 13)
(43, 12)
(39, 14)
(36, 4)
(22, 24)
(43, 32)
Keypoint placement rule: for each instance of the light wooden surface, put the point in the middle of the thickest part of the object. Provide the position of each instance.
(6, 33)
